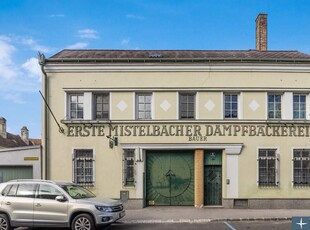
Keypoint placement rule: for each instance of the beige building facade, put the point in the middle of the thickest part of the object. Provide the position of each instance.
(181, 127)
(201, 128)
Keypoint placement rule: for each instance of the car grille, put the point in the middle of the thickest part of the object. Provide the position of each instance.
(117, 208)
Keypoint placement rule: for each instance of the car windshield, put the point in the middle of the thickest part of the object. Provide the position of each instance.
(77, 192)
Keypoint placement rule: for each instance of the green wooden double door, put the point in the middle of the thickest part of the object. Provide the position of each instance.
(170, 178)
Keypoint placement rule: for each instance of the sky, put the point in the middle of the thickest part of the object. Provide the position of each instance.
(31, 26)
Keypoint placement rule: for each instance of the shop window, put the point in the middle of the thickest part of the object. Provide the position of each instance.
(299, 106)
(76, 106)
(102, 106)
(267, 167)
(274, 106)
(83, 163)
(187, 105)
(144, 106)
(128, 167)
(231, 105)
(301, 167)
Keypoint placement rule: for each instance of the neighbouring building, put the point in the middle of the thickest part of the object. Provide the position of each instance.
(181, 127)
(20, 156)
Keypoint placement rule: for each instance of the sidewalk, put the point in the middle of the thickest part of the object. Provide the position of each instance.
(203, 215)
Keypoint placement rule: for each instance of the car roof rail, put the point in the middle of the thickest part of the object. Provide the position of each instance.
(32, 180)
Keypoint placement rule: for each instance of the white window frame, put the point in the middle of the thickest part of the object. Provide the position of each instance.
(137, 103)
(68, 115)
(194, 94)
(95, 105)
(74, 160)
(281, 109)
(304, 95)
(238, 104)
(293, 167)
(277, 167)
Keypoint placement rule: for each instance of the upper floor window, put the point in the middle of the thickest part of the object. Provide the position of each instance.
(231, 105)
(301, 167)
(274, 106)
(187, 105)
(299, 106)
(267, 167)
(83, 166)
(76, 106)
(102, 106)
(144, 106)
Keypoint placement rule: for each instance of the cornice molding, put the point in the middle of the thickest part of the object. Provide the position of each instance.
(66, 68)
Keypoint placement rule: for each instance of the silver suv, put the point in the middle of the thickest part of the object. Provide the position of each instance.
(40, 203)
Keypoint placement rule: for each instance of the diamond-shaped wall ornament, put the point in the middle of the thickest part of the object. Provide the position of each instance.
(254, 105)
(122, 106)
(165, 105)
(210, 105)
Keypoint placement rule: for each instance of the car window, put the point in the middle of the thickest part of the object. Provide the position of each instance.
(77, 192)
(6, 190)
(13, 190)
(48, 192)
(26, 190)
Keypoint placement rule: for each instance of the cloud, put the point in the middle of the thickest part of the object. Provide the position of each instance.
(17, 79)
(56, 15)
(7, 67)
(88, 33)
(14, 97)
(78, 45)
(125, 41)
(32, 67)
(132, 16)
(34, 45)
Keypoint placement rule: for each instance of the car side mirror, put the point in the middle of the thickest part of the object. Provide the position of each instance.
(61, 198)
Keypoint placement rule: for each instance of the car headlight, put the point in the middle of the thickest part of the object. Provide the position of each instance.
(103, 208)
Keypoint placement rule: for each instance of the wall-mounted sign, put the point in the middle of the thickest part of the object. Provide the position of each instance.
(31, 158)
(198, 132)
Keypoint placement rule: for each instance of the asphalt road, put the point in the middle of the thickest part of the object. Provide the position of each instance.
(221, 225)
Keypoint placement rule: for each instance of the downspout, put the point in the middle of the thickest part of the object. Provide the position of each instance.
(42, 61)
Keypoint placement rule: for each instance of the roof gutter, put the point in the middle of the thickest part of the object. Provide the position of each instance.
(44, 163)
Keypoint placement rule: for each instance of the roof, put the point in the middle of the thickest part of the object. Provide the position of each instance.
(16, 141)
(91, 56)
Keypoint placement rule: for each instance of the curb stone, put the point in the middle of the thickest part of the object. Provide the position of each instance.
(192, 221)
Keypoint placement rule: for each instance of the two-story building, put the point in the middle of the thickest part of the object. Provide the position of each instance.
(181, 127)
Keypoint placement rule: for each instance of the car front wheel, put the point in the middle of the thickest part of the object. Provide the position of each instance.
(5, 222)
(82, 222)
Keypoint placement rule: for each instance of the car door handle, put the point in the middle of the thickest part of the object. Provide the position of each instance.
(38, 205)
(8, 203)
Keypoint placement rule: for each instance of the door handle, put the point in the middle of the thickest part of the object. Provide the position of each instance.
(38, 205)
(8, 203)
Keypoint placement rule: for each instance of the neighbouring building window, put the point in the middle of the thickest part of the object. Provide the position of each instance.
(102, 106)
(299, 106)
(301, 164)
(83, 163)
(274, 106)
(267, 167)
(144, 106)
(187, 105)
(231, 105)
(76, 106)
(128, 167)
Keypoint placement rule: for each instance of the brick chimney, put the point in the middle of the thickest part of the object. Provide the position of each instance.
(25, 135)
(3, 132)
(261, 32)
